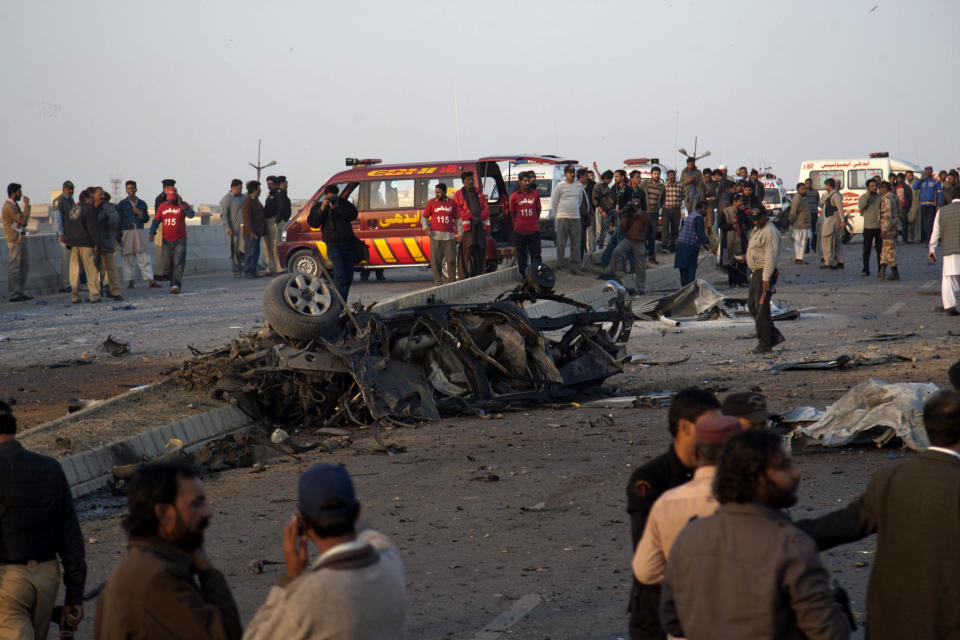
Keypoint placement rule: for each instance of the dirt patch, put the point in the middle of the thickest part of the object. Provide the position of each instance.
(134, 414)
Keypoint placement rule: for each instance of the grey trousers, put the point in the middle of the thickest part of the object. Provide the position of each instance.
(270, 245)
(17, 271)
(568, 231)
(443, 260)
(639, 250)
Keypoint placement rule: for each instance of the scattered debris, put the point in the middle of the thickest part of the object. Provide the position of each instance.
(76, 404)
(63, 442)
(888, 337)
(699, 301)
(877, 412)
(840, 362)
(114, 347)
(4, 338)
(75, 362)
(172, 451)
(124, 307)
(401, 366)
(256, 566)
(653, 363)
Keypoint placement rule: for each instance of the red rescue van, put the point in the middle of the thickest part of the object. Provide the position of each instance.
(390, 200)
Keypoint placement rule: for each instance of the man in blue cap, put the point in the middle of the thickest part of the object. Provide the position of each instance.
(354, 589)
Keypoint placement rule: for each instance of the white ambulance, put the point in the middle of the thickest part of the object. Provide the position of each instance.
(644, 165)
(851, 175)
(547, 177)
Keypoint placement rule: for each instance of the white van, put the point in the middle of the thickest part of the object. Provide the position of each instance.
(644, 165)
(775, 199)
(547, 177)
(851, 175)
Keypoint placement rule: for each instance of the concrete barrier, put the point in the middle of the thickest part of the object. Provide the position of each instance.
(207, 252)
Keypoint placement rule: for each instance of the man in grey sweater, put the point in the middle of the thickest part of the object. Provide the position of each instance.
(232, 218)
(565, 210)
(355, 589)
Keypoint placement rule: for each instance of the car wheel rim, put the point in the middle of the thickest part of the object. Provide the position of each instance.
(306, 266)
(307, 295)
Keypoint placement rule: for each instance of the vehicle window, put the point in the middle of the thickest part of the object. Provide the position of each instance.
(819, 177)
(857, 178)
(771, 196)
(349, 191)
(453, 185)
(544, 188)
(390, 194)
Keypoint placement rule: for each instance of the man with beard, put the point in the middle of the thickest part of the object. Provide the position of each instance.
(474, 215)
(14, 229)
(164, 586)
(762, 252)
(271, 212)
(747, 571)
(232, 218)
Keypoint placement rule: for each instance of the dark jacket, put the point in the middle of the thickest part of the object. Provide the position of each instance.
(80, 229)
(634, 224)
(748, 572)
(253, 218)
(914, 508)
(37, 518)
(334, 223)
(284, 206)
(646, 484)
(270, 205)
(153, 593)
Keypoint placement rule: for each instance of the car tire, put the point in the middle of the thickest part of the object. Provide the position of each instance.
(301, 307)
(304, 261)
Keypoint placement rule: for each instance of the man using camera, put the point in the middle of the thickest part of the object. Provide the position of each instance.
(333, 215)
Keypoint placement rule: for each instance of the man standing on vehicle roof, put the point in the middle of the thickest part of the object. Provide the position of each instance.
(762, 252)
(474, 215)
(870, 210)
(525, 215)
(565, 210)
(333, 215)
(929, 191)
(439, 218)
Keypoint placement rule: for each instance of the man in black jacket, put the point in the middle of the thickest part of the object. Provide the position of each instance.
(81, 232)
(914, 508)
(333, 215)
(648, 482)
(38, 525)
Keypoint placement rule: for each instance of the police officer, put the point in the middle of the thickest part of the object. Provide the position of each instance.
(648, 482)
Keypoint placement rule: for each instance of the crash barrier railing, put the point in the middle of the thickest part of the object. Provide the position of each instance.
(207, 252)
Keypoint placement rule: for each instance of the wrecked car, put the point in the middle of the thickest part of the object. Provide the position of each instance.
(316, 364)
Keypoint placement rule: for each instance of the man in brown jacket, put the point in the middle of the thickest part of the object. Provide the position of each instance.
(164, 586)
(913, 509)
(14, 225)
(747, 571)
(254, 227)
(633, 223)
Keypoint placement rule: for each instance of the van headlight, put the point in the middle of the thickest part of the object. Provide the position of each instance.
(283, 236)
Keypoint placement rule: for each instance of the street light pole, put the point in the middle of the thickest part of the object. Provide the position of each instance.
(694, 156)
(259, 166)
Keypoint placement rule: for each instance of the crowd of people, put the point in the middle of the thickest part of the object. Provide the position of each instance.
(715, 551)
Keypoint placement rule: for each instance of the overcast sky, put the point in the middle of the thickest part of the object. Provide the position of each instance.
(184, 89)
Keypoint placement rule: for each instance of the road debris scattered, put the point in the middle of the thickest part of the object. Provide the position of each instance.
(114, 347)
(844, 361)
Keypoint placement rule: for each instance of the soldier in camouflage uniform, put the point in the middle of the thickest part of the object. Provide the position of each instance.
(889, 228)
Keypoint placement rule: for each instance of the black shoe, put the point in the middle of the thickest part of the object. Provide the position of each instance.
(865, 272)
(117, 297)
(780, 338)
(18, 298)
(761, 349)
(94, 301)
(953, 312)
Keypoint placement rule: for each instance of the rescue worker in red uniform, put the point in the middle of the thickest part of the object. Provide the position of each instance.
(172, 215)
(525, 216)
(474, 215)
(439, 218)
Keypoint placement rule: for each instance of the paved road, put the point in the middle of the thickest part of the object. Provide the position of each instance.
(211, 310)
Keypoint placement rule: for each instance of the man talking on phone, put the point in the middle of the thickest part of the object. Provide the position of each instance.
(354, 589)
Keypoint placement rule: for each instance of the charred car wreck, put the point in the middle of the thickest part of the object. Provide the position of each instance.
(315, 364)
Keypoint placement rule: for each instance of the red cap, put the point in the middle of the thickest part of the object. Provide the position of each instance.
(716, 429)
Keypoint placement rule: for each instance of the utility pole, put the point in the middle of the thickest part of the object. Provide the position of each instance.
(259, 166)
(694, 155)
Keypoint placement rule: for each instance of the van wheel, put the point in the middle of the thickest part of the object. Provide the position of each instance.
(301, 307)
(304, 262)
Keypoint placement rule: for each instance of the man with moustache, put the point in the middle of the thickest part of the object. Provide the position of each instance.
(747, 571)
(164, 586)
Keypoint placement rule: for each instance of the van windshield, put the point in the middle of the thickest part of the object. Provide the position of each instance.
(771, 196)
(544, 187)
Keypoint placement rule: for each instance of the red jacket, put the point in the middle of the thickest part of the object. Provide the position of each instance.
(172, 217)
(525, 211)
(441, 214)
(464, 211)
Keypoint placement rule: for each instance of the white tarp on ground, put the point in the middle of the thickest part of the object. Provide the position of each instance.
(874, 411)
